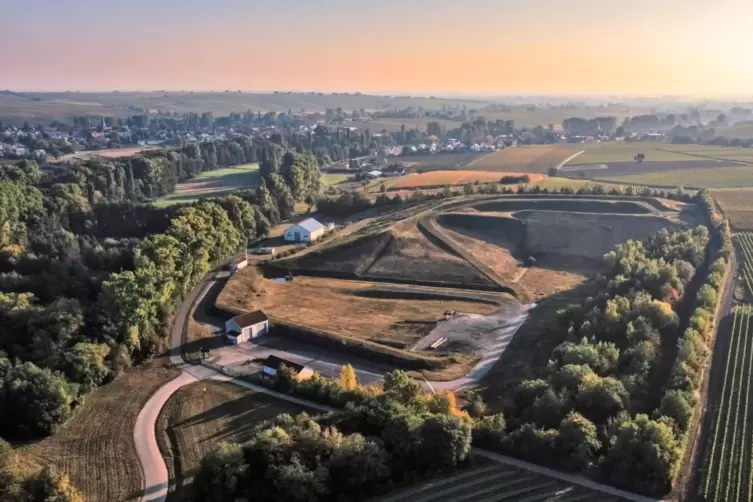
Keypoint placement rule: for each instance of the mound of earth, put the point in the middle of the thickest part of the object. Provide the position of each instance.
(570, 205)
(415, 256)
(586, 235)
(346, 258)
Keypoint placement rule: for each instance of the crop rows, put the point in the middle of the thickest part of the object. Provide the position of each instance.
(498, 483)
(745, 244)
(728, 464)
(559, 183)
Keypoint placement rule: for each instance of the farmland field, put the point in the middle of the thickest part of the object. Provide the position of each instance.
(111, 153)
(609, 152)
(524, 159)
(737, 204)
(720, 176)
(329, 180)
(440, 161)
(742, 131)
(496, 483)
(199, 416)
(727, 469)
(212, 184)
(354, 309)
(95, 449)
(442, 178)
(555, 183)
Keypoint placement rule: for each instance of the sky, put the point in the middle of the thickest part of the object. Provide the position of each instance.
(570, 47)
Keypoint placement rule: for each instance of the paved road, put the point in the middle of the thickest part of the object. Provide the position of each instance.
(156, 482)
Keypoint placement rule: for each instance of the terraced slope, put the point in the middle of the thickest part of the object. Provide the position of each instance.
(498, 483)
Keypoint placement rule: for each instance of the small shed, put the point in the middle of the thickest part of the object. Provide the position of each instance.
(307, 230)
(272, 364)
(244, 327)
(372, 175)
(239, 264)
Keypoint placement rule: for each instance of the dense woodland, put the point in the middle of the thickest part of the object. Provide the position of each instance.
(88, 275)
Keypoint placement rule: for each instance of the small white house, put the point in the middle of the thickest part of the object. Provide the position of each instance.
(244, 327)
(372, 175)
(307, 230)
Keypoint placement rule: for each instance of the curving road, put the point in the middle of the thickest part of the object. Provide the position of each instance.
(156, 479)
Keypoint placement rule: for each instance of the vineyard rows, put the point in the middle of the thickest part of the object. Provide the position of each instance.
(559, 183)
(727, 473)
(498, 483)
(745, 244)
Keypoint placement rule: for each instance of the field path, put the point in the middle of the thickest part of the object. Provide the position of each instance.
(559, 166)
(156, 481)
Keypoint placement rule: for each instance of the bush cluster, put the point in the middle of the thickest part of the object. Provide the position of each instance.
(385, 436)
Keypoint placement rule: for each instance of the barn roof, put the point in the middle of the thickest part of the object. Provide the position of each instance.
(275, 362)
(310, 225)
(250, 318)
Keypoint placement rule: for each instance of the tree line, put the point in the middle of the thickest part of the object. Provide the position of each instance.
(387, 435)
(88, 276)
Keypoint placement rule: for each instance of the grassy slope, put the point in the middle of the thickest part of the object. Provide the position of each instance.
(212, 184)
(199, 416)
(96, 447)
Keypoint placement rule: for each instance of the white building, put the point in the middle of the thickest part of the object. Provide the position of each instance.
(372, 175)
(307, 230)
(244, 327)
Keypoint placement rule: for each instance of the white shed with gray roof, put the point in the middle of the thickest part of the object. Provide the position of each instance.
(307, 230)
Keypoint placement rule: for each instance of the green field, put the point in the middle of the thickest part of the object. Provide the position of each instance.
(329, 180)
(212, 184)
(617, 152)
(606, 153)
(708, 177)
(701, 152)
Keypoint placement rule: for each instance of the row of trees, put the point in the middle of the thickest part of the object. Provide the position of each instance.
(387, 435)
(598, 381)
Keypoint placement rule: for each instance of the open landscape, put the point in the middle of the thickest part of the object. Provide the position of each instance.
(376, 251)
(375, 285)
(215, 183)
(525, 159)
(439, 179)
(737, 204)
(670, 165)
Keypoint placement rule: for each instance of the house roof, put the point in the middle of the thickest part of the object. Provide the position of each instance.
(309, 224)
(250, 318)
(275, 362)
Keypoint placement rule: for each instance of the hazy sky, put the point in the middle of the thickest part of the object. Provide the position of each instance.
(480, 46)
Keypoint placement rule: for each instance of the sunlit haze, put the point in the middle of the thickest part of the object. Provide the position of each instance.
(688, 47)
